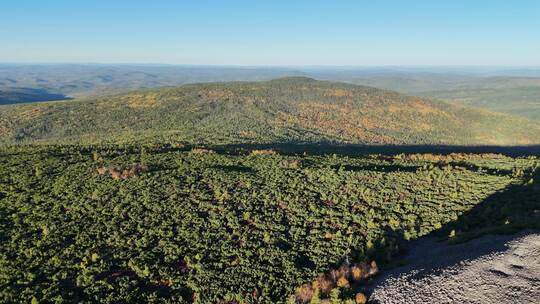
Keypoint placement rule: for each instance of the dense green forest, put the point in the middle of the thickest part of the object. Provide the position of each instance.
(283, 110)
(285, 191)
(189, 224)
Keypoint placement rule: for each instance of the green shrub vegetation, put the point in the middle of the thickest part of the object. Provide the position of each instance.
(246, 192)
(187, 225)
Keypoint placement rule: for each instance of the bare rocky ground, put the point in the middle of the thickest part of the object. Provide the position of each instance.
(490, 269)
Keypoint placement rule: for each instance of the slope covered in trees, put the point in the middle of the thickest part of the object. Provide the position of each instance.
(138, 224)
(513, 91)
(284, 110)
(223, 192)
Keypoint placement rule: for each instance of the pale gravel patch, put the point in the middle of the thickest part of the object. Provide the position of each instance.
(490, 269)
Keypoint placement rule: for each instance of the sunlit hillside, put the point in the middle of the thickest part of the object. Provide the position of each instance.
(283, 110)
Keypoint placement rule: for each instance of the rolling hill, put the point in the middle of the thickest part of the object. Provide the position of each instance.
(512, 91)
(294, 109)
(502, 91)
(520, 100)
(90, 80)
(149, 207)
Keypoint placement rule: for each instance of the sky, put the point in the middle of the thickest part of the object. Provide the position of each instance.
(270, 33)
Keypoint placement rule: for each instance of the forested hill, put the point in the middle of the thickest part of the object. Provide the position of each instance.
(293, 109)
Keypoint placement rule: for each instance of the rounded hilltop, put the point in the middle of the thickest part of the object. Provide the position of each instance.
(288, 109)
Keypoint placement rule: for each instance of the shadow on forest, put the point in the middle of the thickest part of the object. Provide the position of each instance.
(514, 208)
(378, 168)
(476, 168)
(502, 215)
(358, 149)
(234, 168)
(285, 148)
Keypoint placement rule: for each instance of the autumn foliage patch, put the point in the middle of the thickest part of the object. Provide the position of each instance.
(344, 277)
(122, 173)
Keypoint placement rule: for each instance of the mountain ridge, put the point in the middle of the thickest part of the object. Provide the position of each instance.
(295, 109)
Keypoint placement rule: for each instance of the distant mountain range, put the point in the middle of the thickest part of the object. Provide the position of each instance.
(293, 109)
(509, 90)
(98, 80)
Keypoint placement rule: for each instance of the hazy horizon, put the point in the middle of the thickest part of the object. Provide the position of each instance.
(350, 66)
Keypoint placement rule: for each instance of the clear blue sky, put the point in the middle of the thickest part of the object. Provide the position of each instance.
(278, 32)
